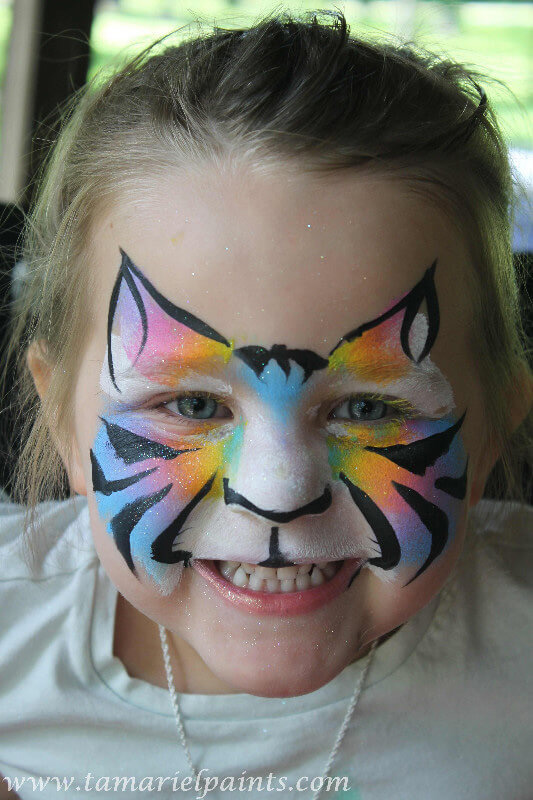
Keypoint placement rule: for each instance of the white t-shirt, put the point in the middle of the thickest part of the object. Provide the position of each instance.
(446, 712)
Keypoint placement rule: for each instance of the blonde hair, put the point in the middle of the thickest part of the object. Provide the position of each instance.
(285, 90)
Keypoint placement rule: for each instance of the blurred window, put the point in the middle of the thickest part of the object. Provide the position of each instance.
(19, 47)
(6, 15)
(495, 36)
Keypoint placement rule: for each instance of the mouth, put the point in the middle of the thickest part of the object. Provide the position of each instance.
(282, 579)
(285, 591)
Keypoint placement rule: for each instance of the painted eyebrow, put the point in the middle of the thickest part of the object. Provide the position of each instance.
(422, 291)
(189, 382)
(202, 367)
(128, 269)
(428, 391)
(410, 303)
(175, 312)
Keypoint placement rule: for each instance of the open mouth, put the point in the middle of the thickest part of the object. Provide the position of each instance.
(281, 591)
(297, 578)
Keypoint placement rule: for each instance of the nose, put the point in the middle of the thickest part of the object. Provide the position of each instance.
(316, 506)
(280, 475)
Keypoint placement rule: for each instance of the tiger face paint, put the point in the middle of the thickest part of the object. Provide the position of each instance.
(266, 485)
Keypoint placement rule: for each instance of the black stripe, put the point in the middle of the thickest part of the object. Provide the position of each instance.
(131, 448)
(124, 522)
(434, 519)
(275, 556)
(316, 506)
(425, 290)
(110, 319)
(354, 576)
(102, 485)
(456, 487)
(138, 302)
(257, 357)
(421, 454)
(381, 527)
(162, 546)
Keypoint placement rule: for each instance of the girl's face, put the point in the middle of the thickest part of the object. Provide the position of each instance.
(279, 374)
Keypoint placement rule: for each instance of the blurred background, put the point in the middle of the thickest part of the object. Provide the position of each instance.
(49, 48)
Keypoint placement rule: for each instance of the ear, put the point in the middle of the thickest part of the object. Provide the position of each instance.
(520, 401)
(41, 368)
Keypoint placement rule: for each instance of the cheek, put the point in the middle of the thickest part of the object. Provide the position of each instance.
(414, 516)
(146, 482)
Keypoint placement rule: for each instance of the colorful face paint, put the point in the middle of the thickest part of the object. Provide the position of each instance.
(253, 489)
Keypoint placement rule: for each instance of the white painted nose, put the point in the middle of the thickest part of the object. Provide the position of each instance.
(279, 476)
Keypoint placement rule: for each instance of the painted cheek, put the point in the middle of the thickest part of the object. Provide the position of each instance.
(395, 489)
(231, 450)
(143, 480)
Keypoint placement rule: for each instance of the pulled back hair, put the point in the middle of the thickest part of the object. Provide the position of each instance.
(287, 91)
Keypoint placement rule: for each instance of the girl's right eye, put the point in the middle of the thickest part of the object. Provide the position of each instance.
(196, 407)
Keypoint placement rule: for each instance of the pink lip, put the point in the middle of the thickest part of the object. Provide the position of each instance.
(278, 604)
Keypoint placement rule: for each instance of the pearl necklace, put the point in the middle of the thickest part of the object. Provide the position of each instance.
(340, 735)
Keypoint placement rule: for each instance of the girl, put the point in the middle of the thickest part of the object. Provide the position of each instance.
(273, 323)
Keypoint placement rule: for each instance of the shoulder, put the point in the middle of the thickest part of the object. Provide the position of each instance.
(486, 605)
(56, 541)
(502, 533)
(47, 580)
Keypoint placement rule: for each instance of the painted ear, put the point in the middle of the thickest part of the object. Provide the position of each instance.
(141, 321)
(417, 337)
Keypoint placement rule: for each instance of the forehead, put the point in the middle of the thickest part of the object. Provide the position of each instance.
(284, 257)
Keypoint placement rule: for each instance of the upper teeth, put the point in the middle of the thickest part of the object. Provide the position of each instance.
(282, 579)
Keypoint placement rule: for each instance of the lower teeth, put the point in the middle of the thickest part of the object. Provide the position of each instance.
(283, 579)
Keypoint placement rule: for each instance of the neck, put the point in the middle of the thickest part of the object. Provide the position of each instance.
(137, 645)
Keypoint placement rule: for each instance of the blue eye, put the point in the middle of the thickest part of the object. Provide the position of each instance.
(196, 407)
(360, 410)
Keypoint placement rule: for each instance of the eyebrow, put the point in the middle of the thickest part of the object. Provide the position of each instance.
(427, 389)
(377, 371)
(168, 361)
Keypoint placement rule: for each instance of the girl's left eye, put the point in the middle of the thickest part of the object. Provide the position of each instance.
(196, 407)
(360, 410)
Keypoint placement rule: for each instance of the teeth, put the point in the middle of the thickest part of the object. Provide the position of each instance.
(255, 582)
(287, 573)
(303, 581)
(240, 578)
(227, 570)
(282, 579)
(316, 577)
(266, 572)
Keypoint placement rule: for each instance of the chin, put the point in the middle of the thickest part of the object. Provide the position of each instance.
(275, 670)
